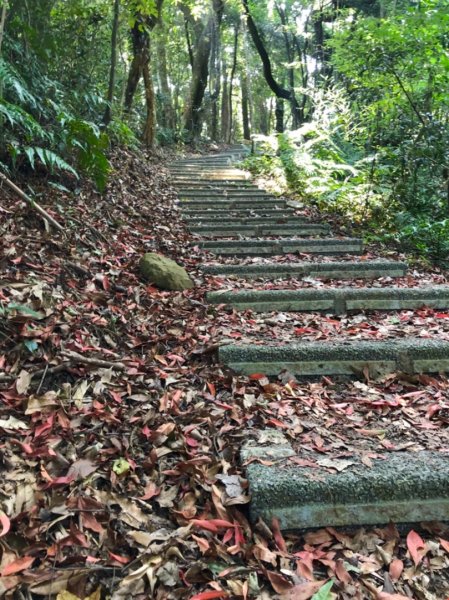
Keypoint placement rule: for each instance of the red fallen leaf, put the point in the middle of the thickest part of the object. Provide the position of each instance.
(396, 568)
(256, 376)
(278, 423)
(210, 595)
(441, 315)
(123, 560)
(416, 546)
(17, 565)
(444, 544)
(151, 490)
(213, 525)
(5, 523)
(211, 389)
(278, 535)
(280, 584)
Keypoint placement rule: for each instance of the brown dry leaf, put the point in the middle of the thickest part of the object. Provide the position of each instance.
(302, 591)
(44, 403)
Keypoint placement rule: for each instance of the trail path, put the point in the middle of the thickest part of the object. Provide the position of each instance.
(250, 236)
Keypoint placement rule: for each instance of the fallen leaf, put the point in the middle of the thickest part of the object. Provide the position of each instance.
(416, 547)
(20, 564)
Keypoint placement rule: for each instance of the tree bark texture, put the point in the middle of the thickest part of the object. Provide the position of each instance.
(112, 72)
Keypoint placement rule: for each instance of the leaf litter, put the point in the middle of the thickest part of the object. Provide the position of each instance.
(120, 436)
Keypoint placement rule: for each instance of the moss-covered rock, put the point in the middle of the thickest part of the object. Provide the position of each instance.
(164, 272)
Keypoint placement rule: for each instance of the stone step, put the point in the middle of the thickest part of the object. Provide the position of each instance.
(324, 270)
(221, 214)
(399, 487)
(337, 301)
(214, 185)
(210, 180)
(330, 246)
(354, 358)
(229, 203)
(231, 194)
(250, 230)
(255, 222)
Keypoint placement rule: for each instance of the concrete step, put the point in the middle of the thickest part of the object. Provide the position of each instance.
(221, 214)
(337, 301)
(399, 487)
(228, 193)
(215, 185)
(325, 270)
(252, 204)
(330, 246)
(254, 221)
(209, 179)
(250, 230)
(353, 358)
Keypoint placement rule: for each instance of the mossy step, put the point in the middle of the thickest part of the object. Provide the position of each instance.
(336, 301)
(250, 230)
(367, 269)
(399, 487)
(330, 246)
(229, 203)
(410, 355)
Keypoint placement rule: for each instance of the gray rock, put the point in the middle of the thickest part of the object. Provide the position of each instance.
(164, 272)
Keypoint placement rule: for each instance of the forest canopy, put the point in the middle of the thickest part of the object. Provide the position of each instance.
(348, 101)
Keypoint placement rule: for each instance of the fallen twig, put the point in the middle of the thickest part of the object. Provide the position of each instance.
(32, 203)
(95, 362)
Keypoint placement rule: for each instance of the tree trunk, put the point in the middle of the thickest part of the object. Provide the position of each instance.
(2, 23)
(279, 115)
(112, 72)
(200, 74)
(225, 121)
(245, 107)
(168, 113)
(149, 133)
(278, 90)
(231, 81)
(215, 70)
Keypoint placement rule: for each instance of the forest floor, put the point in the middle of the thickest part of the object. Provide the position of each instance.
(120, 434)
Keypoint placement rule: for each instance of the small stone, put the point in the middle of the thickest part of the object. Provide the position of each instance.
(165, 273)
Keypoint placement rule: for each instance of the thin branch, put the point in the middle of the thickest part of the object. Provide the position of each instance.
(32, 203)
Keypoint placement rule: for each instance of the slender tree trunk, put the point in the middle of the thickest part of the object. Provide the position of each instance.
(215, 71)
(139, 42)
(279, 115)
(2, 23)
(112, 72)
(245, 106)
(149, 134)
(225, 121)
(168, 113)
(231, 81)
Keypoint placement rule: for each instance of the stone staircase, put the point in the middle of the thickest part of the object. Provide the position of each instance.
(218, 202)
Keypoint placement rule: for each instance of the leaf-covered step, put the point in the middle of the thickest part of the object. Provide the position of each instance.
(228, 203)
(399, 487)
(336, 301)
(368, 269)
(260, 230)
(238, 193)
(410, 355)
(236, 215)
(330, 246)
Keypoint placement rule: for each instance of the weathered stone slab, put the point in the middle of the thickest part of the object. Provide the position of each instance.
(278, 218)
(333, 270)
(330, 246)
(223, 194)
(252, 230)
(336, 301)
(410, 355)
(228, 203)
(224, 214)
(400, 487)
